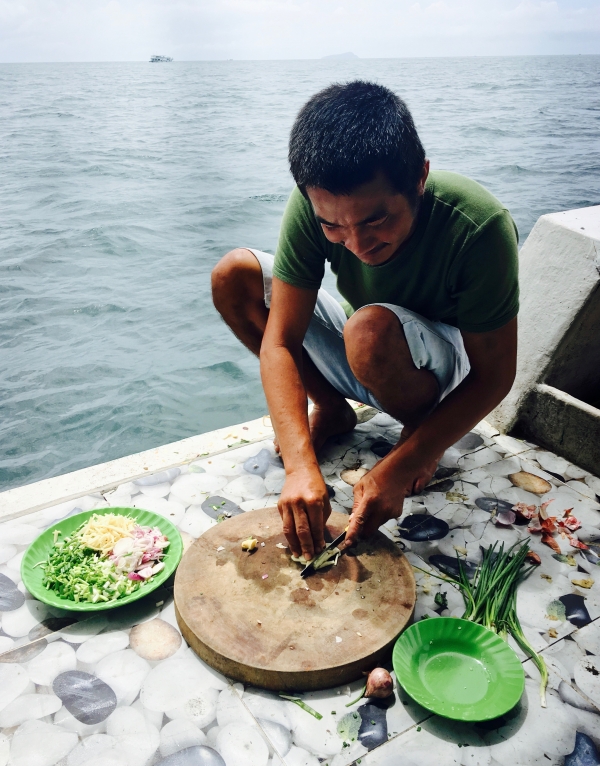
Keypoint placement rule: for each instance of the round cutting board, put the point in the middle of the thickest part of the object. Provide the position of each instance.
(283, 632)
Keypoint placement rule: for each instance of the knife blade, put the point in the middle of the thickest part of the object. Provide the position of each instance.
(310, 567)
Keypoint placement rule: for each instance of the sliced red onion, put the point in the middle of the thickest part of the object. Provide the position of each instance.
(505, 518)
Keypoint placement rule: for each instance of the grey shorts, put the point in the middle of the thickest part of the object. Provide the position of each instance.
(433, 345)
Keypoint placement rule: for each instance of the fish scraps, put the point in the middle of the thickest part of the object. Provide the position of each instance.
(540, 522)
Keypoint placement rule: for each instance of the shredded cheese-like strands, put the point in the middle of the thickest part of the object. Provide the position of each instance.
(102, 532)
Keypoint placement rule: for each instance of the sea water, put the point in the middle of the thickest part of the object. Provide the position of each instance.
(123, 184)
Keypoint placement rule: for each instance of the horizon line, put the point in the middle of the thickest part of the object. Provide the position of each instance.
(330, 58)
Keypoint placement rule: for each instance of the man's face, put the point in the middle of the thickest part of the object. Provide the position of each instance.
(373, 222)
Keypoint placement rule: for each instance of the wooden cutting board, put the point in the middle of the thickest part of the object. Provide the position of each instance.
(282, 632)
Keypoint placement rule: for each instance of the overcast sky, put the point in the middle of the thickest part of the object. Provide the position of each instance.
(130, 30)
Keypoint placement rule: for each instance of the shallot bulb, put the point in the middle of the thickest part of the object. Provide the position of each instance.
(379, 684)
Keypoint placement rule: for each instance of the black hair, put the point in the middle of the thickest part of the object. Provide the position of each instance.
(348, 132)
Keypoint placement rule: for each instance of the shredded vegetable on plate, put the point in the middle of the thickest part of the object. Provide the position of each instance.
(107, 557)
(101, 533)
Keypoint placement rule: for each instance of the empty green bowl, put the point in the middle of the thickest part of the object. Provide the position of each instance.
(458, 669)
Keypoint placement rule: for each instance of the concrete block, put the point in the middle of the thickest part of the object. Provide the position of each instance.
(556, 395)
(560, 310)
(563, 423)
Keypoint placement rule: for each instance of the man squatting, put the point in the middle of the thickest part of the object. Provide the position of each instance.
(427, 264)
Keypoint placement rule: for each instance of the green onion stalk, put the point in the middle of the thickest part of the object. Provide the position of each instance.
(491, 597)
(300, 702)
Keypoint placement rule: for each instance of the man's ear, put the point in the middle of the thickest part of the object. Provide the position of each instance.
(423, 179)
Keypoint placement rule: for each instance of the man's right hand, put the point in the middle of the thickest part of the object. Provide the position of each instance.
(304, 508)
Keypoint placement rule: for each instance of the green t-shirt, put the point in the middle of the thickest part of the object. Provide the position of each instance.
(460, 265)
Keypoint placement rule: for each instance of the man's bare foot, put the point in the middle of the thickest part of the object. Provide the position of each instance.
(325, 422)
(428, 470)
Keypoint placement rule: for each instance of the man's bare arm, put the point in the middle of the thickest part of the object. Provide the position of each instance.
(304, 503)
(380, 494)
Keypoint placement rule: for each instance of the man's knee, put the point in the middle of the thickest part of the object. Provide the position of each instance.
(371, 336)
(236, 275)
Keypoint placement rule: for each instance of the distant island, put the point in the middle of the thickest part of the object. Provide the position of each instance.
(348, 55)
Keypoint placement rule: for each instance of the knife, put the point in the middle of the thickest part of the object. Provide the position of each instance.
(310, 567)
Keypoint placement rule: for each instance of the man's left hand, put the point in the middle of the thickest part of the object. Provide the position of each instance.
(379, 495)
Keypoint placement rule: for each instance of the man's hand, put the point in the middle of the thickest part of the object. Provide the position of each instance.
(379, 497)
(304, 508)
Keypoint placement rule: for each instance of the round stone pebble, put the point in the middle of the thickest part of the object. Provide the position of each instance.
(530, 482)
(278, 735)
(298, 756)
(275, 480)
(66, 721)
(418, 527)
(13, 682)
(179, 734)
(170, 509)
(259, 463)
(85, 696)
(11, 597)
(84, 629)
(201, 709)
(7, 552)
(28, 707)
(192, 488)
(18, 623)
(194, 756)
(156, 490)
(157, 478)
(155, 640)
(240, 743)
(587, 677)
(230, 708)
(18, 534)
(4, 749)
(172, 683)
(196, 522)
(138, 738)
(39, 743)
(56, 658)
(249, 487)
(6, 644)
(98, 647)
(98, 748)
(124, 672)
(469, 441)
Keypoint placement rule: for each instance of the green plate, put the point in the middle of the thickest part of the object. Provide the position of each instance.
(458, 669)
(40, 548)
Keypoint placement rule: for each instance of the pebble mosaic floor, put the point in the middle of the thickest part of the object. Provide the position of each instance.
(123, 689)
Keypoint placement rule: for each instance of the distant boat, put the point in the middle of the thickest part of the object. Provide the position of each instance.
(154, 59)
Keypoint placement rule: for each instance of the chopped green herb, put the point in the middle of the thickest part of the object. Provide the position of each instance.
(303, 705)
(441, 599)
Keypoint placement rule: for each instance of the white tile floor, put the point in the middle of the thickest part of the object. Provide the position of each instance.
(123, 689)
